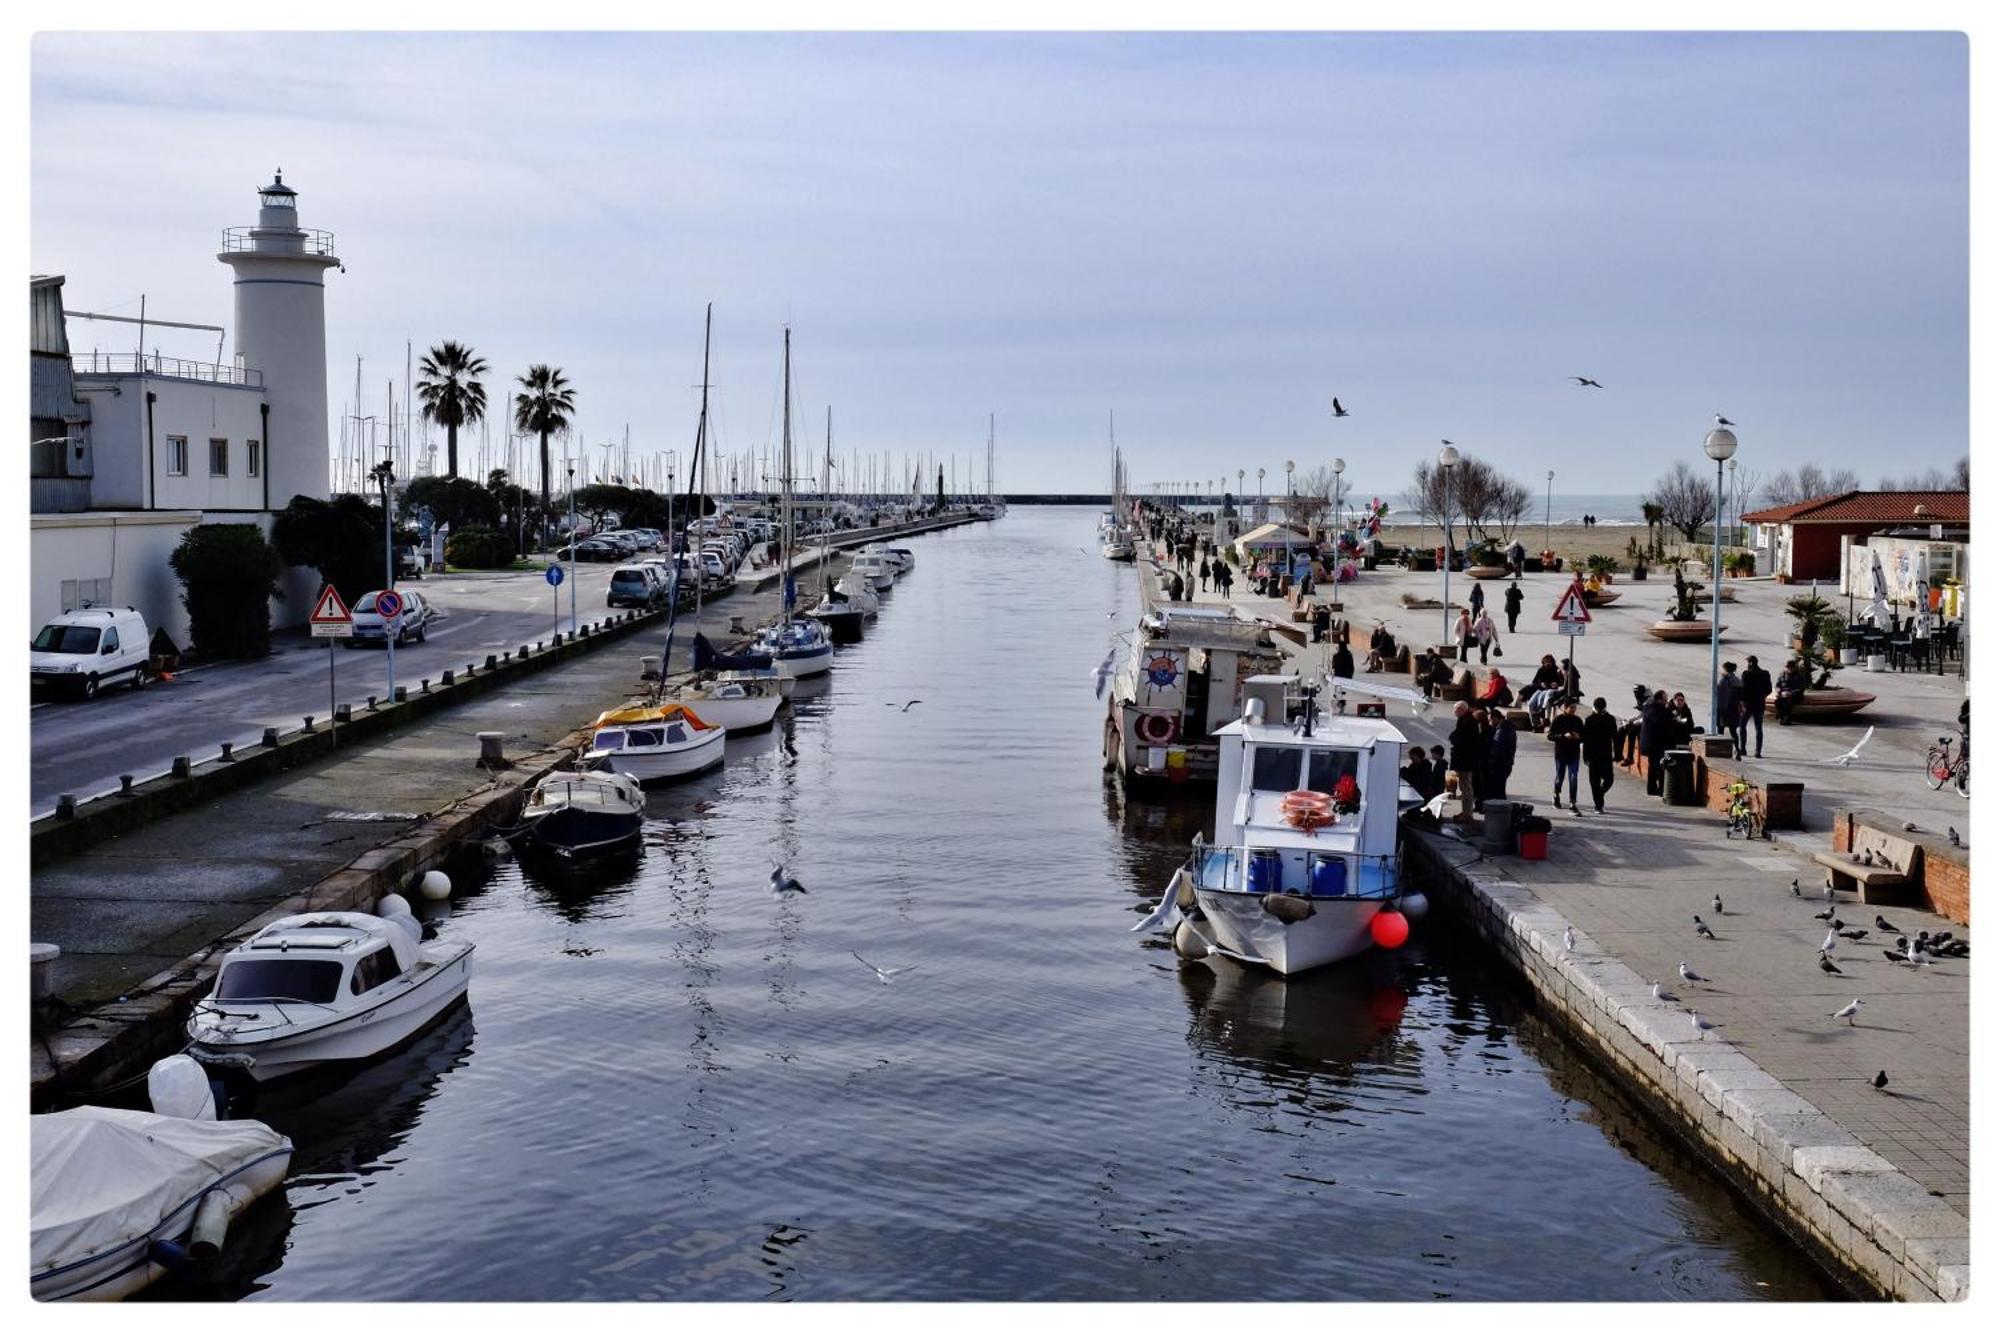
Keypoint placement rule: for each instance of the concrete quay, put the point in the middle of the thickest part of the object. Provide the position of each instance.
(1779, 1097)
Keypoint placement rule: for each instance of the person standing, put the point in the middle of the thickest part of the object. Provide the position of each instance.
(1204, 573)
(1566, 735)
(1729, 707)
(1500, 748)
(1478, 599)
(1756, 689)
(1175, 587)
(1468, 757)
(1600, 748)
(1343, 661)
(1655, 727)
(1513, 604)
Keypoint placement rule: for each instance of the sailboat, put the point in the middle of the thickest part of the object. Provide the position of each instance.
(989, 509)
(797, 647)
(839, 612)
(1114, 537)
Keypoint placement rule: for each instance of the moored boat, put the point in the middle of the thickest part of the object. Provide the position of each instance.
(653, 743)
(1182, 679)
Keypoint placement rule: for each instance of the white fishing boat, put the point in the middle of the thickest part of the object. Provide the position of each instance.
(657, 743)
(900, 559)
(1182, 679)
(1306, 808)
(120, 1198)
(325, 986)
(738, 692)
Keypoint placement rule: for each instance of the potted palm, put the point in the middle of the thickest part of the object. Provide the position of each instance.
(1681, 624)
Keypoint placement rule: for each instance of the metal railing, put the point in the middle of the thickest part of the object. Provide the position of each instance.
(1371, 875)
(272, 240)
(169, 367)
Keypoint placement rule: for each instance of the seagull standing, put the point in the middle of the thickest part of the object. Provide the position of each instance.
(1826, 945)
(1843, 760)
(1662, 993)
(783, 885)
(1689, 974)
(1569, 939)
(1717, 904)
(1702, 1027)
(885, 975)
(1848, 1011)
(1722, 420)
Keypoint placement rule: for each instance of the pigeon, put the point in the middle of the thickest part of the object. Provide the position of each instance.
(1338, 410)
(1881, 1080)
(1795, 888)
(1662, 993)
(1826, 946)
(1702, 1027)
(1689, 974)
(1848, 1011)
(1701, 929)
(1951, 834)
(1843, 760)
(1909, 826)
(1826, 965)
(1583, 383)
(1569, 939)
(1856, 934)
(1882, 925)
(1827, 915)
(783, 885)
(1716, 903)
(1722, 420)
(1829, 891)
(885, 975)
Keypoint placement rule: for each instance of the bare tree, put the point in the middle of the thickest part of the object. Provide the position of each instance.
(1958, 478)
(1686, 499)
(1486, 503)
(1310, 500)
(1809, 482)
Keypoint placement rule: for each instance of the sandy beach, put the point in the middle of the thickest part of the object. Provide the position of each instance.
(1573, 542)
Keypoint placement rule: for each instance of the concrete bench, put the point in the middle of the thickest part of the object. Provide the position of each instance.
(1897, 864)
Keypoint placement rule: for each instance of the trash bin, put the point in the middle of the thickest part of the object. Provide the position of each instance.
(1534, 835)
(1502, 818)
(1677, 785)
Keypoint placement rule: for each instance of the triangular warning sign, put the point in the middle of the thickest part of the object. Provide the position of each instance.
(330, 610)
(1571, 606)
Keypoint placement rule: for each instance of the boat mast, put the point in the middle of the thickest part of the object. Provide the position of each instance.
(785, 467)
(673, 559)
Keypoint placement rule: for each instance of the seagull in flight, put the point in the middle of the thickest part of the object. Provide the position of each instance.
(1850, 756)
(885, 975)
(1338, 410)
(1848, 1011)
(1583, 383)
(1689, 974)
(1722, 420)
(1105, 669)
(886, 703)
(783, 885)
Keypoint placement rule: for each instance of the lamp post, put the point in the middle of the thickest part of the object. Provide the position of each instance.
(1548, 508)
(1447, 459)
(1339, 466)
(385, 473)
(1735, 510)
(1288, 517)
(1721, 446)
(571, 469)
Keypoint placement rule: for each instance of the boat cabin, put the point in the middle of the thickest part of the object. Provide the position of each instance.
(315, 960)
(1182, 682)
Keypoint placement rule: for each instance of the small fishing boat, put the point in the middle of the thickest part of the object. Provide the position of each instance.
(1306, 811)
(661, 743)
(324, 986)
(120, 1198)
(904, 555)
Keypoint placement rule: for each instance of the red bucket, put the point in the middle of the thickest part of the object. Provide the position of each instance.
(1534, 846)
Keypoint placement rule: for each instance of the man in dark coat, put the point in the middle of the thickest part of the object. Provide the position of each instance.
(1656, 728)
(1343, 661)
(1175, 588)
(1729, 707)
(1513, 602)
(1566, 735)
(1756, 689)
(1600, 749)
(1468, 758)
(1500, 747)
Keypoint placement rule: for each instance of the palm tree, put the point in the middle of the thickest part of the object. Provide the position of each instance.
(544, 406)
(1654, 515)
(448, 383)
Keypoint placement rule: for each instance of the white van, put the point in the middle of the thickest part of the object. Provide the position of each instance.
(80, 652)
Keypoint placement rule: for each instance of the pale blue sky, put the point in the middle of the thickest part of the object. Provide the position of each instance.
(1211, 234)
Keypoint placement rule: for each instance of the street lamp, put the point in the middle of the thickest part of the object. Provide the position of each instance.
(1339, 466)
(1721, 446)
(1288, 517)
(1447, 459)
(1548, 508)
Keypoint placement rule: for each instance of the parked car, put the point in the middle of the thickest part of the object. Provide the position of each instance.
(598, 548)
(409, 562)
(413, 623)
(637, 585)
(80, 652)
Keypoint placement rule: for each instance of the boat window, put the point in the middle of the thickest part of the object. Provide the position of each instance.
(315, 981)
(676, 734)
(1324, 768)
(608, 740)
(373, 970)
(646, 736)
(66, 639)
(1274, 768)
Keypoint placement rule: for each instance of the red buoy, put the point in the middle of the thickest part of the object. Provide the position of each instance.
(1389, 928)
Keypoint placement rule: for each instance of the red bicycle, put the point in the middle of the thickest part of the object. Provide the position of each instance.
(1941, 765)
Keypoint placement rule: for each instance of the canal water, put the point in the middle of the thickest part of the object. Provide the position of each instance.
(670, 1084)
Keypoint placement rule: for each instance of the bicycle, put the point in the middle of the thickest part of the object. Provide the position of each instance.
(1742, 812)
(1942, 766)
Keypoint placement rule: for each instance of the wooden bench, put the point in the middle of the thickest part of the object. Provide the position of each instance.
(1897, 864)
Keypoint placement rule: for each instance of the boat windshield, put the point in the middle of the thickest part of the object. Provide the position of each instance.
(608, 740)
(676, 734)
(312, 980)
(1275, 768)
(66, 639)
(1325, 768)
(647, 736)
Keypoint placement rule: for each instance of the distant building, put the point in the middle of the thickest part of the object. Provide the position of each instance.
(128, 450)
(1804, 541)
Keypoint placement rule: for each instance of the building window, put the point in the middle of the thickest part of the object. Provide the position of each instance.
(177, 456)
(218, 458)
(254, 466)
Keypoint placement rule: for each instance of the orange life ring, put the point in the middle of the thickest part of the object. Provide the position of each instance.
(1157, 728)
(1307, 810)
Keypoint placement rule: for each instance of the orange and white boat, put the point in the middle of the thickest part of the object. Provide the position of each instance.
(658, 743)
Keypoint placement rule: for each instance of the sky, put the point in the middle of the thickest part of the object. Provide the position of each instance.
(1210, 234)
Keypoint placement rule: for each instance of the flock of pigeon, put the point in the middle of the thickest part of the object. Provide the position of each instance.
(1914, 953)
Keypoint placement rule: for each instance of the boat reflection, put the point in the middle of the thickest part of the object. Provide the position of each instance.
(1318, 1024)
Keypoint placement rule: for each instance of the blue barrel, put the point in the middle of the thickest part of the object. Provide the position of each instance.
(1267, 871)
(1329, 877)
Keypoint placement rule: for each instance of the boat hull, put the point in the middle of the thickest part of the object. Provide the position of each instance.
(651, 766)
(1337, 929)
(799, 664)
(359, 1034)
(841, 626)
(747, 714)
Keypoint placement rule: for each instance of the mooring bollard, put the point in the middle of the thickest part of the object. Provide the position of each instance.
(271, 737)
(491, 755)
(402, 694)
(66, 806)
(443, 680)
(524, 651)
(124, 784)
(736, 624)
(41, 965)
(181, 766)
(229, 752)
(344, 713)
(492, 662)
(309, 722)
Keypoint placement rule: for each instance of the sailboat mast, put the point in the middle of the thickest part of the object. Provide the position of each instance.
(785, 464)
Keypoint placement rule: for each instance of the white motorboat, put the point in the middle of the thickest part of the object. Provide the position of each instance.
(1116, 544)
(905, 555)
(1306, 826)
(858, 593)
(118, 1198)
(324, 986)
(659, 743)
(900, 559)
(735, 700)
(877, 568)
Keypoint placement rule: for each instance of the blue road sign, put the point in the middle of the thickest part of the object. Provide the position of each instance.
(389, 604)
(554, 575)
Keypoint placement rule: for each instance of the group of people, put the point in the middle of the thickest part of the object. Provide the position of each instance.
(1484, 745)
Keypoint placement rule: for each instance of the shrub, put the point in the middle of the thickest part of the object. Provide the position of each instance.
(479, 548)
(228, 574)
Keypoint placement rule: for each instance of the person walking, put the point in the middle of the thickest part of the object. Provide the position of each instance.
(1461, 632)
(1600, 749)
(1729, 707)
(1566, 735)
(1175, 587)
(1500, 748)
(1477, 601)
(1513, 604)
(1204, 573)
(1756, 689)
(1488, 636)
(1468, 757)
(1656, 725)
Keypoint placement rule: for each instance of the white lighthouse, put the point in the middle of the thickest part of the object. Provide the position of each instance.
(281, 333)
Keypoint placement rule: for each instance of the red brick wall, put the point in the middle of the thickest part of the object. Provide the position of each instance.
(1947, 870)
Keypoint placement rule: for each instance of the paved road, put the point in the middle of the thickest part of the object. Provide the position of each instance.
(82, 747)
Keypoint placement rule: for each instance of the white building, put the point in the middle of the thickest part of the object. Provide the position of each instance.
(131, 449)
